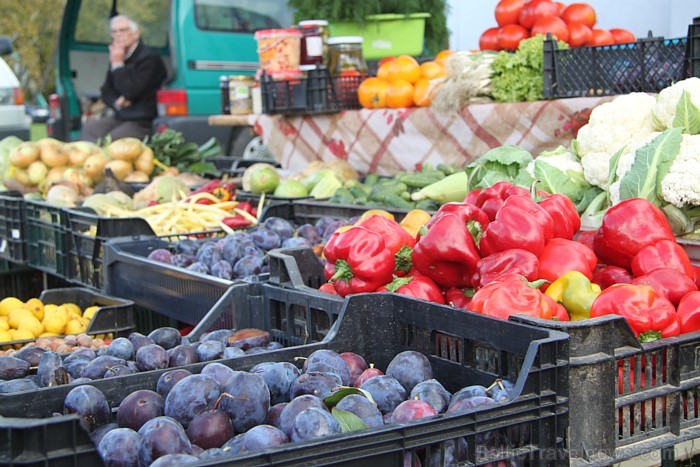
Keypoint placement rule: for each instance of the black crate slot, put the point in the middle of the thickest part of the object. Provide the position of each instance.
(13, 227)
(47, 237)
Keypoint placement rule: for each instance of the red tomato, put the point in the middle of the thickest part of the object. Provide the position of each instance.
(510, 36)
(489, 39)
(581, 13)
(622, 36)
(551, 24)
(507, 11)
(579, 35)
(561, 7)
(533, 11)
(602, 37)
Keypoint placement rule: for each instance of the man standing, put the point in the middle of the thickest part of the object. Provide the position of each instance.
(135, 74)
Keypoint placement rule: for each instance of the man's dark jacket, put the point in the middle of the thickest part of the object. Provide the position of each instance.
(138, 81)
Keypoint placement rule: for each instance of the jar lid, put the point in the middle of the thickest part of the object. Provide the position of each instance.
(345, 40)
(307, 67)
(241, 78)
(313, 22)
(267, 33)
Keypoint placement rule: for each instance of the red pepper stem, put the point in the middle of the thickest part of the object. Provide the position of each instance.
(397, 283)
(469, 292)
(536, 284)
(403, 259)
(342, 271)
(476, 230)
(650, 336)
(423, 231)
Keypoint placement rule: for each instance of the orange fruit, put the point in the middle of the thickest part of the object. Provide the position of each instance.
(385, 60)
(372, 93)
(404, 67)
(422, 93)
(432, 70)
(383, 71)
(399, 94)
(443, 55)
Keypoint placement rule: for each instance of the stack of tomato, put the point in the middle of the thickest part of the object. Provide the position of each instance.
(502, 252)
(403, 82)
(573, 24)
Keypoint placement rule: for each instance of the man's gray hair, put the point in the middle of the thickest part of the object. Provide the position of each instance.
(132, 24)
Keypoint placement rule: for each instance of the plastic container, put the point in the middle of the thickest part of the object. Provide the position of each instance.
(13, 227)
(278, 49)
(47, 237)
(463, 349)
(115, 316)
(386, 35)
(345, 55)
(310, 210)
(317, 93)
(647, 65)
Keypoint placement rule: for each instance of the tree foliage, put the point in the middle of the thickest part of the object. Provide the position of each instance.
(33, 26)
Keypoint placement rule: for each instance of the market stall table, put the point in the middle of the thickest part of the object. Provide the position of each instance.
(387, 141)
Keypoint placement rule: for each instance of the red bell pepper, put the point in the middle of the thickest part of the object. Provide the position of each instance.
(471, 196)
(512, 294)
(357, 260)
(446, 252)
(627, 228)
(512, 228)
(660, 255)
(585, 237)
(560, 313)
(459, 298)
(236, 222)
(564, 214)
(505, 262)
(207, 187)
(696, 270)
(491, 199)
(467, 212)
(418, 286)
(396, 239)
(649, 314)
(525, 203)
(669, 283)
(689, 312)
(328, 288)
(606, 276)
(560, 256)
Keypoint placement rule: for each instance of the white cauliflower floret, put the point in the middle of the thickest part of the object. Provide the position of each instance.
(665, 108)
(681, 186)
(614, 192)
(595, 168)
(611, 126)
(561, 158)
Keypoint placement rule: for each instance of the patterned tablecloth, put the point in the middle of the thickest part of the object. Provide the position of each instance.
(386, 141)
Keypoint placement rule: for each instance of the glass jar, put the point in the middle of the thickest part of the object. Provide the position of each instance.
(225, 95)
(312, 29)
(240, 95)
(345, 54)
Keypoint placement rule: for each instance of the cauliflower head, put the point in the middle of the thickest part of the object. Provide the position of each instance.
(681, 186)
(611, 126)
(666, 102)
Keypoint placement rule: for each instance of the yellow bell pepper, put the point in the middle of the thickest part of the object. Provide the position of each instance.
(576, 292)
(374, 212)
(414, 220)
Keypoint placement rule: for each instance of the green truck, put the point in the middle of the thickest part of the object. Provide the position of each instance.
(199, 41)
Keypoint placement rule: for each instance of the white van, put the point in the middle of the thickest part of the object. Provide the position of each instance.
(13, 118)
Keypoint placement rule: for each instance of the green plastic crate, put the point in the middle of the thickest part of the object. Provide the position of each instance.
(386, 35)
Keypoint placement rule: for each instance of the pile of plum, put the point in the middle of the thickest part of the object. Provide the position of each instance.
(243, 255)
(221, 412)
(162, 348)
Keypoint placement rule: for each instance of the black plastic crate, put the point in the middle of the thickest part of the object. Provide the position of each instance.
(13, 227)
(692, 247)
(647, 65)
(86, 234)
(310, 210)
(115, 316)
(47, 248)
(463, 348)
(316, 93)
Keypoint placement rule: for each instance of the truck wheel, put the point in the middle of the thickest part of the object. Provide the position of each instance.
(250, 146)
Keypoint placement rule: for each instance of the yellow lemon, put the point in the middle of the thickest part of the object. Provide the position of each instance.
(49, 308)
(74, 326)
(36, 307)
(16, 315)
(8, 304)
(90, 312)
(62, 312)
(48, 334)
(55, 323)
(5, 336)
(32, 325)
(4, 325)
(21, 334)
(74, 309)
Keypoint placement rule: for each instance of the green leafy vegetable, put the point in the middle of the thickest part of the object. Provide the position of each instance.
(687, 115)
(590, 194)
(651, 164)
(559, 171)
(348, 421)
(498, 164)
(170, 148)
